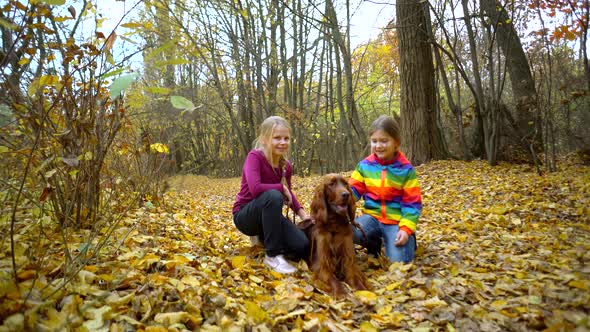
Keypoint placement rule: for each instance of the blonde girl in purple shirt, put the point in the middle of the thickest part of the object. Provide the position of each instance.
(265, 189)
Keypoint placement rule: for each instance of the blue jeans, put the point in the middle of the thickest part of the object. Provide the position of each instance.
(378, 233)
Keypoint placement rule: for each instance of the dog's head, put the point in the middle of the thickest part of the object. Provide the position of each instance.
(332, 196)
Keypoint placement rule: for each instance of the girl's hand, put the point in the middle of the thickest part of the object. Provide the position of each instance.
(401, 238)
(303, 215)
(287, 196)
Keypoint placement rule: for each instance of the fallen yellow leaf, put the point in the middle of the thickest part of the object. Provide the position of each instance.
(581, 284)
(499, 210)
(367, 327)
(254, 312)
(191, 281)
(237, 262)
(115, 300)
(499, 304)
(417, 293)
(366, 297)
(393, 285)
(433, 303)
(396, 318)
(255, 278)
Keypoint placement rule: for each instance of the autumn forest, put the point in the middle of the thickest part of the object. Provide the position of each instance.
(124, 125)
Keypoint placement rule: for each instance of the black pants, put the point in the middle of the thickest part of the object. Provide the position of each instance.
(263, 217)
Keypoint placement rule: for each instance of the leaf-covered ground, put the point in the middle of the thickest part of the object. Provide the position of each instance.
(500, 249)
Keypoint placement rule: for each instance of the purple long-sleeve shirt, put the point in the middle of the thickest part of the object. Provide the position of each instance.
(259, 176)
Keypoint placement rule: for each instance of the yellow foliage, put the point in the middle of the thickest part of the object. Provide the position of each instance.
(500, 247)
(366, 297)
(237, 262)
(368, 327)
(254, 312)
(159, 148)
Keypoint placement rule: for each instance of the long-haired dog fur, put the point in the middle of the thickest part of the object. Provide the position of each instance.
(332, 256)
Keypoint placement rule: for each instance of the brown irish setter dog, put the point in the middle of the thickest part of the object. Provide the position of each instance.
(332, 256)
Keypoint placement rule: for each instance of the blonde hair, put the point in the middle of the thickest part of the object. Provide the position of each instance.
(267, 128)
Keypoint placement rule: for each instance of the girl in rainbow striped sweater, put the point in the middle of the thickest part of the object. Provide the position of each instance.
(387, 183)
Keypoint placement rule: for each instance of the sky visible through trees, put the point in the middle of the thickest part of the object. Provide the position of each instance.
(368, 18)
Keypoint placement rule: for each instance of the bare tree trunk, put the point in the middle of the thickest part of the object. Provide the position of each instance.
(547, 109)
(487, 115)
(421, 137)
(528, 122)
(260, 51)
(273, 68)
(584, 42)
(163, 25)
(315, 112)
(332, 146)
(473, 80)
(345, 153)
(283, 54)
(455, 108)
(356, 137)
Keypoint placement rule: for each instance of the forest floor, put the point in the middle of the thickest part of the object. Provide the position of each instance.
(499, 249)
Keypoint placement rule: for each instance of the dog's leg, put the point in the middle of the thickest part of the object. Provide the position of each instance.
(338, 290)
(352, 274)
(325, 267)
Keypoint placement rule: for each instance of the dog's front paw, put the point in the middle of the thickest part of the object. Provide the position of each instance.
(359, 283)
(338, 290)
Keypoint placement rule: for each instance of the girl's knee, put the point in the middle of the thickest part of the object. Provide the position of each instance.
(369, 225)
(358, 237)
(365, 220)
(403, 254)
(272, 197)
(368, 234)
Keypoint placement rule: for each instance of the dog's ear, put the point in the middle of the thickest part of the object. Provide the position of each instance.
(319, 209)
(351, 204)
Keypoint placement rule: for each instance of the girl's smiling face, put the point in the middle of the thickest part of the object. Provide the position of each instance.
(383, 145)
(279, 142)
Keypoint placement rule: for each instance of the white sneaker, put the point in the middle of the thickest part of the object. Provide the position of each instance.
(255, 241)
(279, 264)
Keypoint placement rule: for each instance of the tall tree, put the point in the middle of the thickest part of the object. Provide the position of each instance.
(347, 103)
(527, 123)
(486, 109)
(422, 139)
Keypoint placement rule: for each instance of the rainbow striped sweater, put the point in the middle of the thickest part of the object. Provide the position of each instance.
(390, 190)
